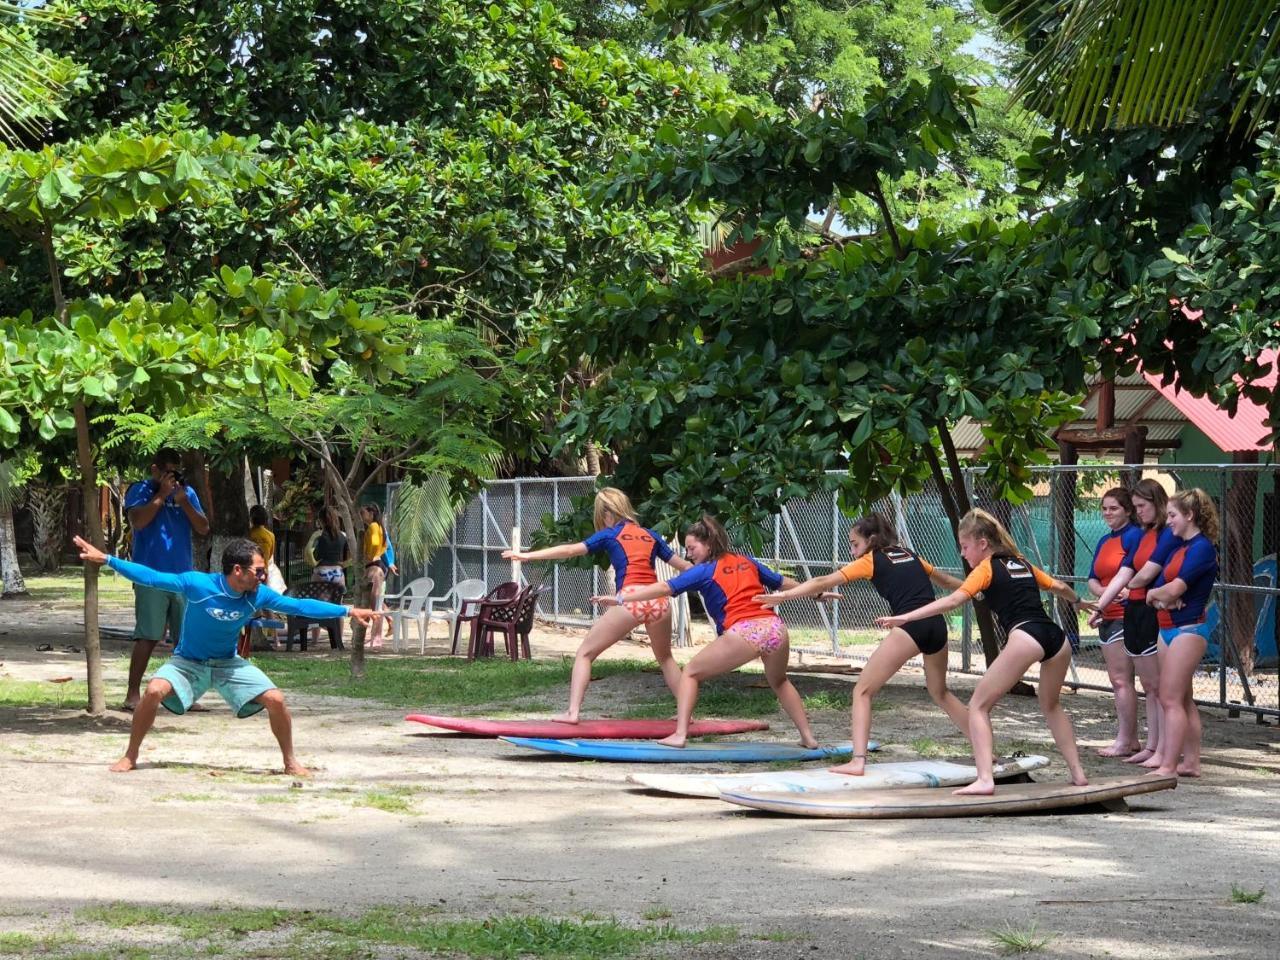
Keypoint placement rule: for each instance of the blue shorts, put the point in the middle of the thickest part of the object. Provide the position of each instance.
(1167, 634)
(237, 681)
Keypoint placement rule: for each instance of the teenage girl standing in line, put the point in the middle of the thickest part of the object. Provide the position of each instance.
(1141, 629)
(1121, 539)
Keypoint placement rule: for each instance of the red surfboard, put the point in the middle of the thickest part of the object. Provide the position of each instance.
(604, 729)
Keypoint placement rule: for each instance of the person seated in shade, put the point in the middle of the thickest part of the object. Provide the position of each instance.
(218, 607)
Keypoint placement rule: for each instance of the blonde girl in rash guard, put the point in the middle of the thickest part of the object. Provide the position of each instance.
(903, 580)
(1011, 587)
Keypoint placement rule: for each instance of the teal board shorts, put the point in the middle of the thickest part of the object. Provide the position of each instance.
(237, 681)
(152, 609)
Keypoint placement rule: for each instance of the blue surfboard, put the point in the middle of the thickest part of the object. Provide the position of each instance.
(639, 751)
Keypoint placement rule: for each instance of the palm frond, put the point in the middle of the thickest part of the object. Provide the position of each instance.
(11, 484)
(30, 83)
(1123, 63)
(422, 516)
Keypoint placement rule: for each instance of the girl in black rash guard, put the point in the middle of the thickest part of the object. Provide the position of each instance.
(903, 580)
(1011, 587)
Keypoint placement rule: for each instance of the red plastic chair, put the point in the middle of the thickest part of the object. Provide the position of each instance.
(513, 620)
(496, 607)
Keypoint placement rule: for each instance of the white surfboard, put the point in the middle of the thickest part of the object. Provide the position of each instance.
(879, 776)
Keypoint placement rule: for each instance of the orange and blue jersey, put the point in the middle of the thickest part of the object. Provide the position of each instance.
(1108, 558)
(729, 585)
(1154, 547)
(632, 550)
(1195, 563)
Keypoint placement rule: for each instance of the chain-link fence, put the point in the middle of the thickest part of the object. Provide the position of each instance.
(1057, 529)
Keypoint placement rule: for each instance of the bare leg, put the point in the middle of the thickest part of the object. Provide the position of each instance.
(1148, 670)
(144, 715)
(1178, 664)
(895, 650)
(935, 678)
(282, 727)
(376, 580)
(614, 624)
(727, 652)
(1049, 691)
(1120, 672)
(1014, 660)
(138, 660)
(775, 671)
(660, 643)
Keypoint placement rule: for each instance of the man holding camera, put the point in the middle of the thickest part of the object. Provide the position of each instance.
(163, 512)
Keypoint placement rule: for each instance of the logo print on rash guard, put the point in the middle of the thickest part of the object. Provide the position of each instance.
(226, 616)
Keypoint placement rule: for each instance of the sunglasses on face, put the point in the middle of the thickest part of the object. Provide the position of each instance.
(259, 572)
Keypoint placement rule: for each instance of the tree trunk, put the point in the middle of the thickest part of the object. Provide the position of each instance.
(48, 506)
(1242, 617)
(593, 458)
(93, 521)
(10, 573)
(345, 504)
(960, 504)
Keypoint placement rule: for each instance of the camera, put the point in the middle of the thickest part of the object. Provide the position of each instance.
(178, 477)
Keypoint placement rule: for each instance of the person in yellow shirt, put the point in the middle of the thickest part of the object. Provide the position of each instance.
(260, 533)
(374, 543)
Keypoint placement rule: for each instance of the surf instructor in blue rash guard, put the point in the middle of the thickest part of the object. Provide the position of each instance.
(218, 607)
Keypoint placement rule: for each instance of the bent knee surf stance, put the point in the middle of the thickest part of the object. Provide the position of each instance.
(1044, 632)
(766, 634)
(929, 635)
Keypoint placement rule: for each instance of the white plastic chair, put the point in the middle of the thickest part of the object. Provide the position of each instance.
(463, 595)
(410, 605)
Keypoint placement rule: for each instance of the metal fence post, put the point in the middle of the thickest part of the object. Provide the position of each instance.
(555, 568)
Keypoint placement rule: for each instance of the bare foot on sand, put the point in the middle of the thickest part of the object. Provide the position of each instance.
(123, 765)
(1142, 756)
(672, 741)
(1120, 749)
(854, 768)
(810, 744)
(979, 788)
(294, 769)
(565, 718)
(1078, 779)
(1151, 762)
(1187, 771)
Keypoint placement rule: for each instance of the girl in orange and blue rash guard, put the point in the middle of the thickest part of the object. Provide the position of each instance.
(1011, 587)
(632, 550)
(1122, 538)
(1181, 596)
(729, 584)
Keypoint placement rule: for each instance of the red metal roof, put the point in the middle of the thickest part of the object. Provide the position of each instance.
(1239, 433)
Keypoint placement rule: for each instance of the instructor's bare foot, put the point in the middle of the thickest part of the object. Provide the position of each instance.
(854, 768)
(1119, 749)
(1186, 771)
(294, 769)
(565, 718)
(809, 744)
(1142, 756)
(1078, 779)
(1151, 763)
(979, 788)
(123, 765)
(672, 741)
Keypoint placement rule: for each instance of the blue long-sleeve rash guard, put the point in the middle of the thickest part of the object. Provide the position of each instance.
(215, 613)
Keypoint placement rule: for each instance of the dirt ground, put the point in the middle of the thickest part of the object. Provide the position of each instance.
(485, 830)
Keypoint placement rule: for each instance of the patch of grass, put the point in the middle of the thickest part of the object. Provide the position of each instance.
(187, 798)
(657, 913)
(16, 942)
(510, 937)
(42, 693)
(199, 924)
(1240, 895)
(779, 936)
(67, 586)
(390, 800)
(1012, 940)
(290, 797)
(928, 747)
(437, 684)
